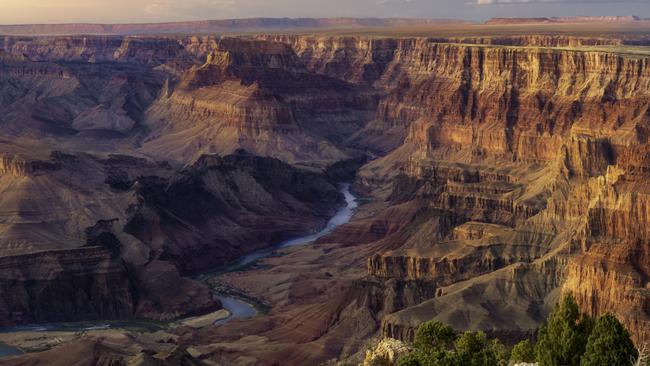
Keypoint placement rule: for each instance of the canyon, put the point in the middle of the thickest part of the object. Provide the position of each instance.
(494, 173)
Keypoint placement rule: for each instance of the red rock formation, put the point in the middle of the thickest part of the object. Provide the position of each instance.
(536, 138)
(258, 96)
(527, 143)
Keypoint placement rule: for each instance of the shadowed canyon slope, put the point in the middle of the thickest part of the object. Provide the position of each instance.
(508, 169)
(103, 254)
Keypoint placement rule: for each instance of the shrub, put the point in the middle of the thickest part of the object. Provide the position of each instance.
(523, 352)
(562, 341)
(434, 336)
(410, 359)
(474, 349)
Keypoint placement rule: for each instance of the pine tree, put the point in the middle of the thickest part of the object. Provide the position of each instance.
(432, 342)
(434, 336)
(523, 352)
(474, 349)
(609, 344)
(562, 341)
(411, 359)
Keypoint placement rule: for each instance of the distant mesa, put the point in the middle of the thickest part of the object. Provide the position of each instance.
(277, 25)
(222, 25)
(580, 19)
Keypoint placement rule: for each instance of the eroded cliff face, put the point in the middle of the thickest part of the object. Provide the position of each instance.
(515, 162)
(222, 208)
(64, 254)
(86, 237)
(99, 49)
(610, 272)
(159, 222)
(85, 283)
(259, 96)
(523, 156)
(514, 96)
(65, 96)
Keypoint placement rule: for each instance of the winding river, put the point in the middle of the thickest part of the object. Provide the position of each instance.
(342, 217)
(239, 308)
(7, 350)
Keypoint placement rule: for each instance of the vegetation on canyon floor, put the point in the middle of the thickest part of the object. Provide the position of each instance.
(570, 338)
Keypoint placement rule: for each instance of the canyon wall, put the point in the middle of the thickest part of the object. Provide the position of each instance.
(507, 173)
(61, 285)
(118, 237)
(258, 96)
(532, 155)
(219, 209)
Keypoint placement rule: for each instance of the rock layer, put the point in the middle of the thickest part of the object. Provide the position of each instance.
(85, 283)
(540, 141)
(124, 246)
(257, 95)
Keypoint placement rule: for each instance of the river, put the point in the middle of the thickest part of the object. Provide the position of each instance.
(7, 350)
(343, 216)
(239, 308)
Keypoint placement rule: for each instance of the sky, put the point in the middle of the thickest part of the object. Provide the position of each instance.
(129, 11)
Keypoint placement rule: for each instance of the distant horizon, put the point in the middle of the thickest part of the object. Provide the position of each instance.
(252, 18)
(450, 20)
(21, 12)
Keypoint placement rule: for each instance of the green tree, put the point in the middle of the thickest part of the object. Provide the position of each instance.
(474, 349)
(422, 358)
(523, 352)
(501, 351)
(426, 358)
(562, 341)
(411, 359)
(609, 344)
(434, 336)
(432, 342)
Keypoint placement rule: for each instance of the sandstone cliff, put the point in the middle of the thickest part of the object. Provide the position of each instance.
(258, 96)
(509, 149)
(541, 142)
